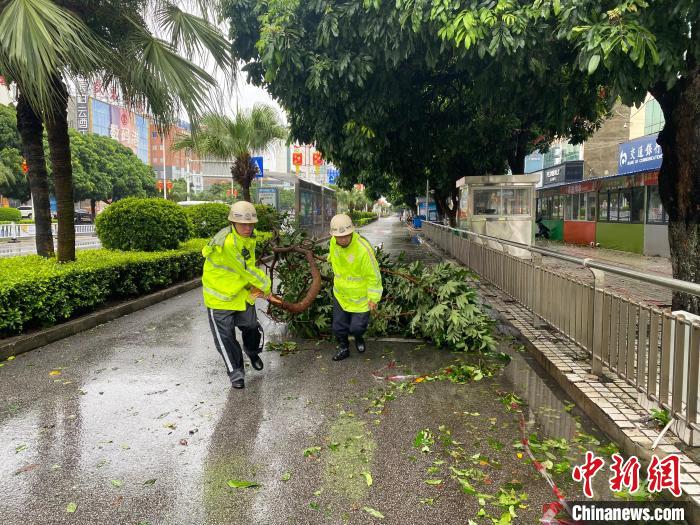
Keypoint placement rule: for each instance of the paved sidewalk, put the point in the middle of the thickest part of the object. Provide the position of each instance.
(641, 292)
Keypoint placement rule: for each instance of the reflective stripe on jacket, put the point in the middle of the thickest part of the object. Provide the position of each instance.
(230, 271)
(356, 276)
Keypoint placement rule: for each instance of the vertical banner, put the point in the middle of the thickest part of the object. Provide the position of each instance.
(83, 122)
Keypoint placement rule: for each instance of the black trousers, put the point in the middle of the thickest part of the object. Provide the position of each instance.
(345, 323)
(223, 325)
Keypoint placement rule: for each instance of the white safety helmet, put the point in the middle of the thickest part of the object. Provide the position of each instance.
(243, 212)
(341, 225)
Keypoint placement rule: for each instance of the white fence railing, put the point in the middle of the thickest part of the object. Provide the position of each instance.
(19, 231)
(655, 351)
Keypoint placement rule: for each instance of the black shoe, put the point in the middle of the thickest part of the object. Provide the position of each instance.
(237, 383)
(360, 344)
(256, 362)
(343, 353)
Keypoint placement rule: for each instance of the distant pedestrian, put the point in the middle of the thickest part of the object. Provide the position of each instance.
(231, 283)
(357, 284)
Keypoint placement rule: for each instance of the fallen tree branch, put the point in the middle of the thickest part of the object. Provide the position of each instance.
(313, 290)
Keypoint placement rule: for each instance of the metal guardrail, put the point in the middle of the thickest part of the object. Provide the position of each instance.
(655, 351)
(18, 231)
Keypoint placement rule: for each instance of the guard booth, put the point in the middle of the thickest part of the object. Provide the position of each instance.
(501, 206)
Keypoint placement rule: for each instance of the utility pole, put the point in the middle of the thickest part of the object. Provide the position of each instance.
(165, 182)
(427, 199)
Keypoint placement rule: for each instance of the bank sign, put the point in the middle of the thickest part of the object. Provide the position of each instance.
(642, 154)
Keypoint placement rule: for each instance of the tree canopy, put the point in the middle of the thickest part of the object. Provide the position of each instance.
(380, 93)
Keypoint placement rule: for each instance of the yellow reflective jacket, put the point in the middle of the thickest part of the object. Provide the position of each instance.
(230, 271)
(356, 274)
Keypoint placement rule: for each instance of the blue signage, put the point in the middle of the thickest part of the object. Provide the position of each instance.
(534, 162)
(332, 175)
(642, 154)
(258, 161)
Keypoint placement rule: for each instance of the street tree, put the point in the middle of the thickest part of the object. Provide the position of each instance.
(634, 47)
(235, 139)
(357, 80)
(44, 43)
(13, 183)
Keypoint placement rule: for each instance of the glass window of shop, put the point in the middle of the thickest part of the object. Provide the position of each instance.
(557, 207)
(590, 208)
(603, 205)
(624, 205)
(655, 209)
(576, 207)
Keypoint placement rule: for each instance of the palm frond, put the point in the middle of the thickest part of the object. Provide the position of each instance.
(40, 40)
(195, 35)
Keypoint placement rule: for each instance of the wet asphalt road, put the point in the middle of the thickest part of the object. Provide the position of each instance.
(134, 422)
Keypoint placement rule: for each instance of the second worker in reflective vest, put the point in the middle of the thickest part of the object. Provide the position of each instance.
(357, 284)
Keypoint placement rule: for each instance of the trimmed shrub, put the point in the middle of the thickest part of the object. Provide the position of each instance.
(10, 214)
(149, 225)
(357, 216)
(35, 291)
(207, 219)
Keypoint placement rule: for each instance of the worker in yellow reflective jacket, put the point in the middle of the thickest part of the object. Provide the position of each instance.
(231, 283)
(357, 284)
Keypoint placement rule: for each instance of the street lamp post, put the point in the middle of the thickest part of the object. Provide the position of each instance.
(165, 185)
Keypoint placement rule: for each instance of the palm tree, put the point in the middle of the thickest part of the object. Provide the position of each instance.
(45, 43)
(234, 139)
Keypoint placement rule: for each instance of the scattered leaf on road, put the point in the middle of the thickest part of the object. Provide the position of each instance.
(55, 373)
(125, 446)
(71, 507)
(368, 478)
(183, 442)
(311, 451)
(117, 482)
(236, 484)
(433, 481)
(286, 476)
(117, 501)
(149, 482)
(27, 468)
(171, 426)
(373, 513)
(20, 448)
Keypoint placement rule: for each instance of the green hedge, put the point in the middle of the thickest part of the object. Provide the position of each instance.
(357, 216)
(207, 219)
(10, 214)
(362, 222)
(148, 225)
(36, 292)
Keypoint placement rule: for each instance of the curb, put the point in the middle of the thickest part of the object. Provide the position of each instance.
(24, 343)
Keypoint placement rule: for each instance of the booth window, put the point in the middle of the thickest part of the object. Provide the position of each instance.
(497, 201)
(516, 201)
(487, 202)
(655, 209)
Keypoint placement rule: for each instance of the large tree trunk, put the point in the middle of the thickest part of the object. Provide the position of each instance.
(59, 144)
(243, 172)
(679, 181)
(31, 131)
